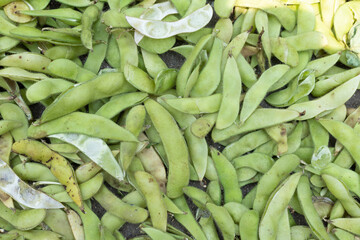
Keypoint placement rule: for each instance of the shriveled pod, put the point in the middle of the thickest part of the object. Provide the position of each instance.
(159, 30)
(155, 12)
(21, 192)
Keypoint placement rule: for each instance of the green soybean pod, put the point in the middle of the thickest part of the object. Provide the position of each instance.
(281, 168)
(236, 210)
(276, 205)
(350, 178)
(329, 82)
(274, 26)
(345, 135)
(208, 226)
(106, 234)
(245, 144)
(249, 20)
(119, 103)
(258, 91)
(6, 225)
(153, 63)
(294, 140)
(320, 137)
(268, 148)
(112, 53)
(284, 231)
(88, 189)
(84, 123)
(211, 173)
(329, 101)
(157, 234)
(58, 222)
(321, 65)
(227, 177)
(103, 86)
(304, 194)
(39, 63)
(260, 118)
(158, 46)
(339, 190)
(249, 198)
(230, 103)
(139, 78)
(11, 111)
(8, 125)
(351, 120)
(199, 197)
(112, 222)
(90, 221)
(194, 6)
(293, 72)
(7, 43)
(117, 207)
(192, 80)
(181, 5)
(65, 68)
(154, 200)
(285, 15)
(97, 55)
(89, 16)
(22, 219)
(6, 141)
(165, 80)
(203, 125)
(67, 52)
(342, 234)
(31, 33)
(300, 232)
(239, 14)
(224, 29)
(338, 114)
(187, 67)
(45, 88)
(36, 234)
(344, 159)
(223, 220)
(214, 191)
(234, 48)
(76, 3)
(86, 171)
(257, 161)
(134, 123)
(196, 105)
(198, 152)
(305, 18)
(347, 224)
(224, 8)
(188, 220)
(248, 225)
(127, 48)
(34, 172)
(262, 26)
(279, 134)
(247, 73)
(175, 147)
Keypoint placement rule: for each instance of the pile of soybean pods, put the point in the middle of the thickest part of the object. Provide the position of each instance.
(132, 136)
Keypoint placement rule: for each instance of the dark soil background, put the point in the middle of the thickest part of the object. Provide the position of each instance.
(175, 60)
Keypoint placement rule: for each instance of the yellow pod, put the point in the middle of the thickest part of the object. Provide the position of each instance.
(58, 165)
